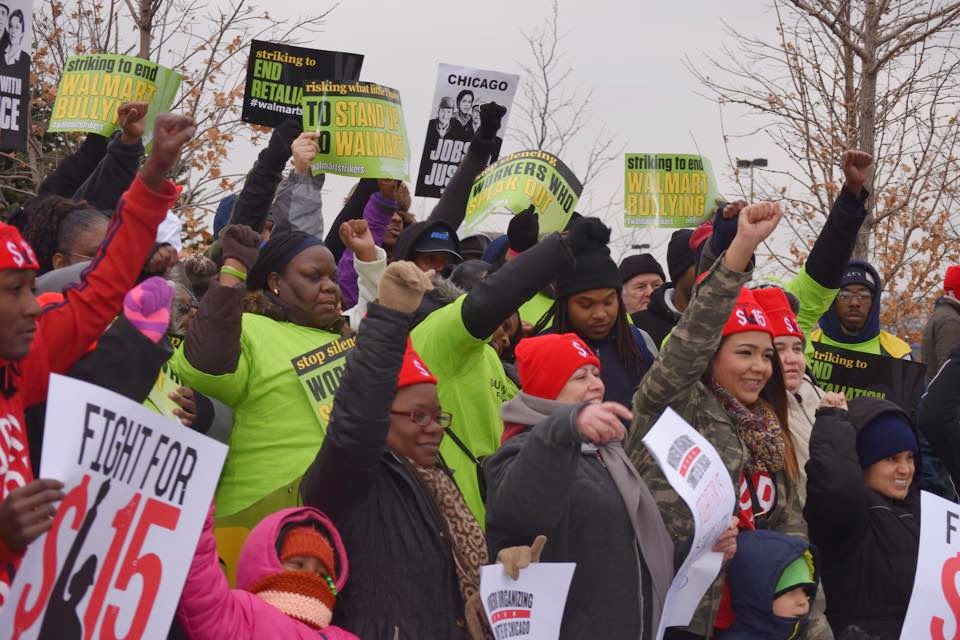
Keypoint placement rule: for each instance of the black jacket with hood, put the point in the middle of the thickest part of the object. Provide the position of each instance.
(752, 577)
(403, 584)
(939, 415)
(868, 543)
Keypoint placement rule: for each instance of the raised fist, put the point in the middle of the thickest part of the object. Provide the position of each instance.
(856, 169)
(304, 150)
(132, 117)
(402, 286)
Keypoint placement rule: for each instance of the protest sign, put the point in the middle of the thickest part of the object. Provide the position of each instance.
(138, 487)
(520, 179)
(159, 397)
(460, 93)
(361, 129)
(530, 607)
(277, 72)
(697, 473)
(934, 610)
(16, 25)
(320, 372)
(857, 374)
(93, 86)
(668, 190)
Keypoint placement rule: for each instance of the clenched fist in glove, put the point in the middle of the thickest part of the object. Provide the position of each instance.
(402, 286)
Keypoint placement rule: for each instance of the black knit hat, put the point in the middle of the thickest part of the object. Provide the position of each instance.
(640, 264)
(680, 256)
(594, 270)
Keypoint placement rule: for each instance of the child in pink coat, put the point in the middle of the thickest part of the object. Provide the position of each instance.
(290, 570)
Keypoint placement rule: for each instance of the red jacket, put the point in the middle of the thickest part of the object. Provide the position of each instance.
(66, 330)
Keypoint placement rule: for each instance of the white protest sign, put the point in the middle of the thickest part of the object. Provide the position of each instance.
(455, 117)
(934, 610)
(697, 473)
(530, 607)
(138, 487)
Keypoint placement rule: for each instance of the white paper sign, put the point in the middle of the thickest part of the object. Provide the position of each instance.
(455, 117)
(697, 473)
(138, 487)
(529, 608)
(934, 610)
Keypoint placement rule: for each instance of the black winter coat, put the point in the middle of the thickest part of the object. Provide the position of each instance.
(868, 543)
(403, 583)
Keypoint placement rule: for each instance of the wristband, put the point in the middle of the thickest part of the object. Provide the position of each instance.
(236, 273)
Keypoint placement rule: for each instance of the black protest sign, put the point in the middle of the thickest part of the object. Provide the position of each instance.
(15, 40)
(856, 374)
(276, 74)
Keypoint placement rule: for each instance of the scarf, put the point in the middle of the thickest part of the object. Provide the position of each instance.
(301, 595)
(467, 542)
(759, 429)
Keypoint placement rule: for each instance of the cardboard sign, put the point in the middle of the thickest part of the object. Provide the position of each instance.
(530, 607)
(856, 374)
(460, 93)
(697, 473)
(277, 72)
(361, 127)
(93, 87)
(320, 372)
(16, 27)
(934, 610)
(668, 190)
(520, 179)
(138, 487)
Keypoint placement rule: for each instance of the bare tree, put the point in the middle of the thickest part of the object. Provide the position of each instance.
(555, 111)
(878, 75)
(206, 44)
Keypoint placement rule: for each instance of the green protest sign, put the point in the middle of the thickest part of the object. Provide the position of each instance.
(520, 179)
(668, 190)
(320, 371)
(857, 374)
(93, 87)
(361, 127)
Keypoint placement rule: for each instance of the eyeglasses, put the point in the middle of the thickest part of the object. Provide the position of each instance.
(426, 418)
(79, 255)
(860, 296)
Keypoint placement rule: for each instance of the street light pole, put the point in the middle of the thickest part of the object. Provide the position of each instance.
(750, 164)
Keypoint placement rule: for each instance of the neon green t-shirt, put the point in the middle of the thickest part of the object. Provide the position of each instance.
(472, 385)
(276, 432)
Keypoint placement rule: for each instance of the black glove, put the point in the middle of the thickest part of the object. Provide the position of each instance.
(523, 230)
(241, 243)
(587, 235)
(490, 116)
(278, 151)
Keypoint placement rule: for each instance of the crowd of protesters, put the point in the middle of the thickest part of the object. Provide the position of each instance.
(492, 405)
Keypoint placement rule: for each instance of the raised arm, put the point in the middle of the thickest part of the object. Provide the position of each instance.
(68, 328)
(298, 205)
(255, 198)
(685, 356)
(352, 209)
(116, 170)
(357, 433)
(71, 172)
(452, 206)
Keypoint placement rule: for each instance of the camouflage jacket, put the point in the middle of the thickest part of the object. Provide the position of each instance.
(674, 381)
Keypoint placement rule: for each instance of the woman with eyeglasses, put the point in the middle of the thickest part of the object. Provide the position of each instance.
(415, 548)
(64, 231)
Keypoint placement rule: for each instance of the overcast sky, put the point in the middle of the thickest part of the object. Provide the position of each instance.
(629, 53)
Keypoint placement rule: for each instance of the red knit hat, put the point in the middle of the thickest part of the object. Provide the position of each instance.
(777, 307)
(951, 282)
(545, 363)
(747, 316)
(413, 371)
(15, 252)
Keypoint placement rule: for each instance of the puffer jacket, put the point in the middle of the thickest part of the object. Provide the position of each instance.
(210, 610)
(868, 543)
(752, 575)
(941, 335)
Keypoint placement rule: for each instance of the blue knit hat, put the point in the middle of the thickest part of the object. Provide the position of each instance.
(886, 435)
